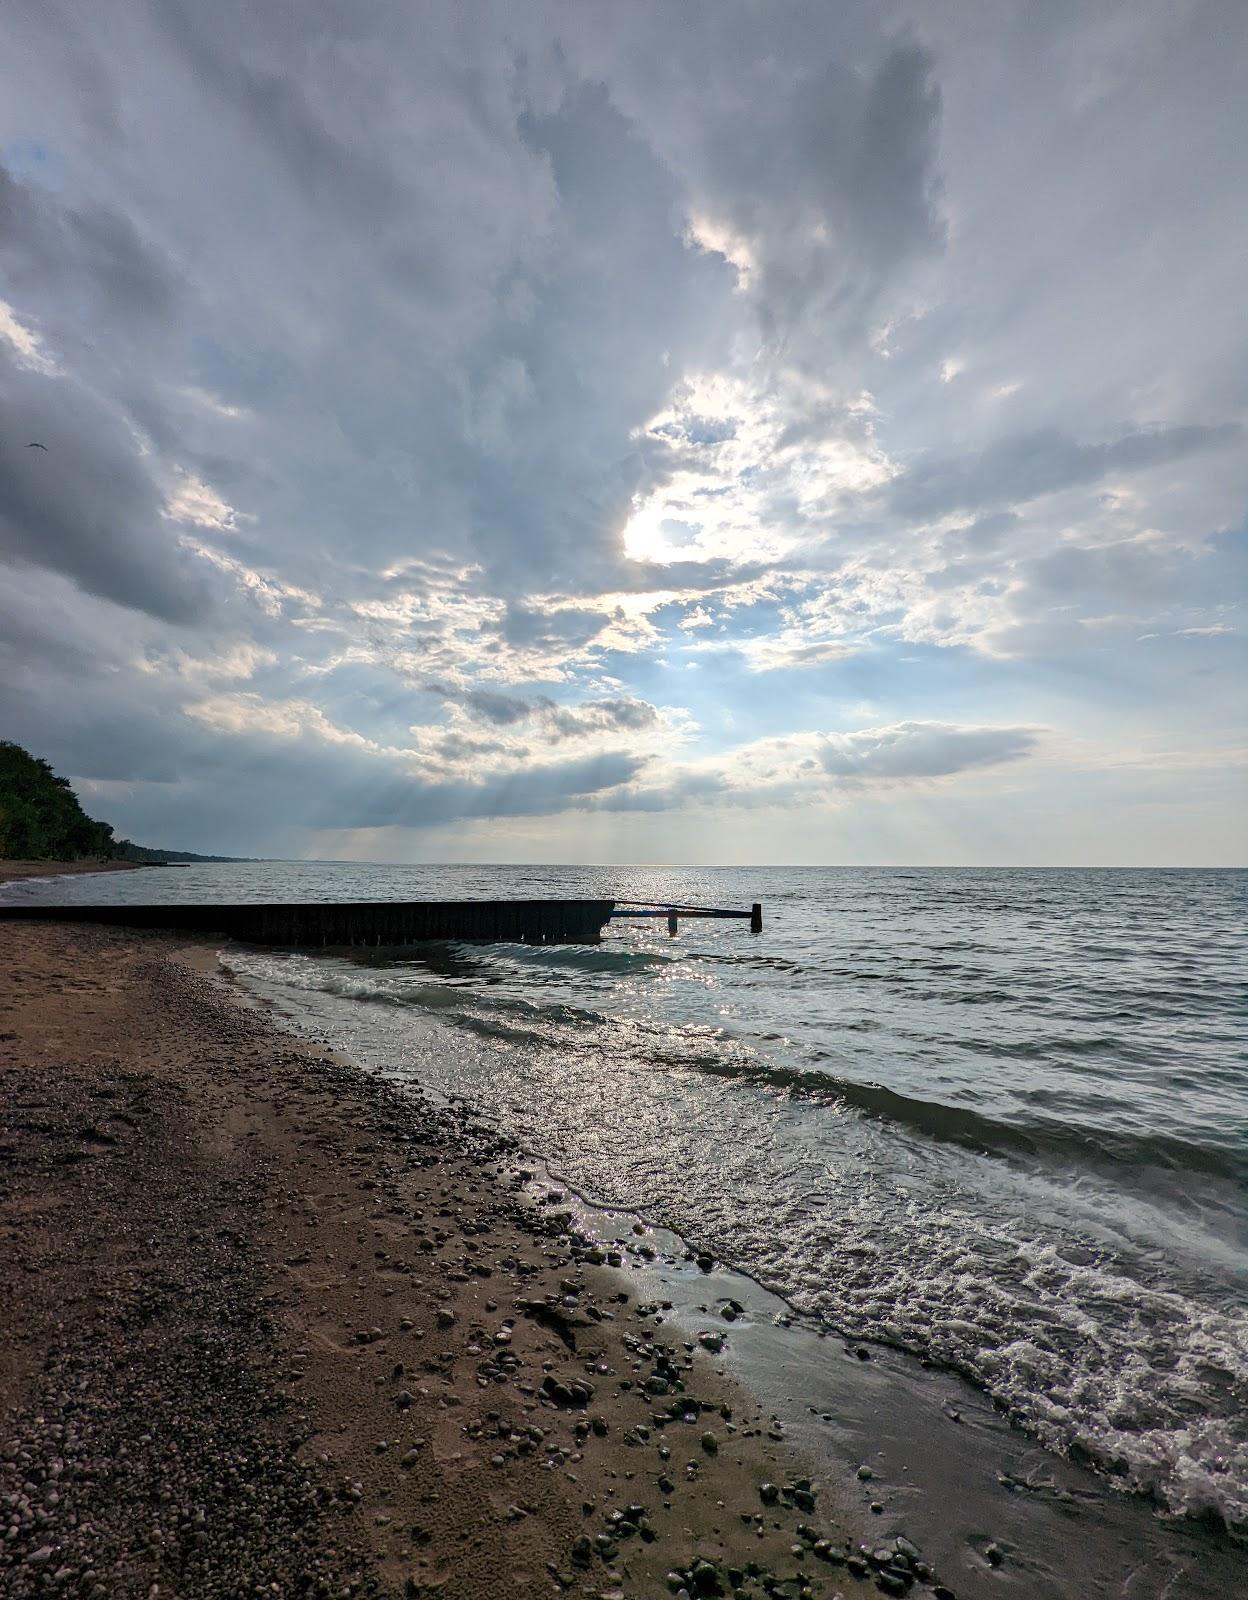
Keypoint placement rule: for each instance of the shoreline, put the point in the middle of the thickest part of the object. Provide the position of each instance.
(222, 1257)
(985, 1502)
(21, 871)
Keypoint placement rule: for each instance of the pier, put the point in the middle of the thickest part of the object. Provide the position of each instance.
(328, 924)
(331, 923)
(662, 908)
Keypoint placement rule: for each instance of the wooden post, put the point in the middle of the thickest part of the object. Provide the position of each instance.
(756, 918)
(672, 924)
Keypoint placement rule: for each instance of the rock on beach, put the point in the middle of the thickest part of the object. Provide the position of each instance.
(277, 1327)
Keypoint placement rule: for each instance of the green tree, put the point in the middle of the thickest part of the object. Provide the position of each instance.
(40, 817)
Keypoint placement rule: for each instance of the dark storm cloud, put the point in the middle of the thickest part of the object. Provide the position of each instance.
(858, 161)
(51, 248)
(828, 183)
(85, 505)
(89, 507)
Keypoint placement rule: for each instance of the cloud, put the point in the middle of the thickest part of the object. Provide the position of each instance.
(86, 505)
(502, 709)
(1020, 468)
(196, 502)
(24, 344)
(622, 713)
(912, 750)
(424, 394)
(815, 768)
(819, 198)
(52, 249)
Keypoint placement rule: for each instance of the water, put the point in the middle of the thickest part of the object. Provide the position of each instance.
(996, 1118)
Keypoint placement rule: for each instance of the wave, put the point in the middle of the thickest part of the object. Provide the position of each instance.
(972, 1130)
(1046, 1140)
(597, 960)
(462, 1005)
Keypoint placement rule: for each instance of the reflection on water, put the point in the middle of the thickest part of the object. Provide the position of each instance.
(993, 1117)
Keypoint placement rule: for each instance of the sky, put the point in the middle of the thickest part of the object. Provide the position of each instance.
(707, 432)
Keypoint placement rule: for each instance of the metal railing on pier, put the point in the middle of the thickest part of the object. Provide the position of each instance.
(673, 911)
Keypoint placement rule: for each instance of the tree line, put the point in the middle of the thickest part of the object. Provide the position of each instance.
(41, 819)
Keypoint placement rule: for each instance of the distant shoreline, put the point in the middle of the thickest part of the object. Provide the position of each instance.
(16, 871)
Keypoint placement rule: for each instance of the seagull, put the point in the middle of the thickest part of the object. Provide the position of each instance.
(35, 445)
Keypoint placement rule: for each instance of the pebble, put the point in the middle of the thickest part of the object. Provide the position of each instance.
(255, 1541)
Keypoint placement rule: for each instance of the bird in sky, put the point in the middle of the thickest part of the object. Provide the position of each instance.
(35, 445)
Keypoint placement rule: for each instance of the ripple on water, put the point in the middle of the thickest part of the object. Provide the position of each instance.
(996, 1118)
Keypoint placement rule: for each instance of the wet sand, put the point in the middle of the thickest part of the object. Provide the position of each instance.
(16, 871)
(269, 1325)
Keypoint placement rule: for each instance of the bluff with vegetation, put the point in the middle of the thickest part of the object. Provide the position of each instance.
(41, 819)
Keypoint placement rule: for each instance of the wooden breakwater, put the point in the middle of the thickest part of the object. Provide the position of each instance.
(365, 922)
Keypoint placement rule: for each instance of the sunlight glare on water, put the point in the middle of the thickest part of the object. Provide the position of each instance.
(993, 1117)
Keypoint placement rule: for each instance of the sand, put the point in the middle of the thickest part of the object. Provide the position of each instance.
(14, 871)
(270, 1326)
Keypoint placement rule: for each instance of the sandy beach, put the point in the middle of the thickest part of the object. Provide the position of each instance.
(271, 1327)
(16, 871)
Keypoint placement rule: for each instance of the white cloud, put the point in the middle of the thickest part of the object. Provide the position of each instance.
(749, 470)
(26, 345)
(244, 713)
(194, 501)
(238, 661)
(719, 239)
(213, 404)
